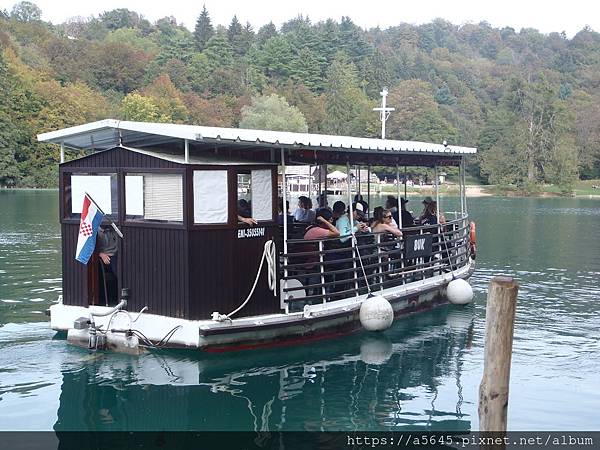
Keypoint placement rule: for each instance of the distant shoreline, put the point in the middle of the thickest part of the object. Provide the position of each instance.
(472, 192)
(28, 189)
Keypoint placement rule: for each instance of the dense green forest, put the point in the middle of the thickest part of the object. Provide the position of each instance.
(529, 101)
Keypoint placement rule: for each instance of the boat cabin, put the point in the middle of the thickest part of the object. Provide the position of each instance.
(184, 252)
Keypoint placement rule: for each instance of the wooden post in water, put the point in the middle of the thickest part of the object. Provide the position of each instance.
(500, 320)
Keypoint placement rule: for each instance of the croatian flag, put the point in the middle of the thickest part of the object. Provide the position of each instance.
(91, 217)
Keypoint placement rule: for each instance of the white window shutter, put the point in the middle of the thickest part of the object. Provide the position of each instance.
(163, 197)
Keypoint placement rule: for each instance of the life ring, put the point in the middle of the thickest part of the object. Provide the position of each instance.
(473, 239)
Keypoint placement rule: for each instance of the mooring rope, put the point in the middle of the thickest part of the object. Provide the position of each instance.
(269, 254)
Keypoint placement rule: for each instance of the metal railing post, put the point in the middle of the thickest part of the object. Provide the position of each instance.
(380, 268)
(322, 270)
(351, 219)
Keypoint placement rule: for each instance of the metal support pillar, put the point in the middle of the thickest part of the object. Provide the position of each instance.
(285, 231)
(398, 194)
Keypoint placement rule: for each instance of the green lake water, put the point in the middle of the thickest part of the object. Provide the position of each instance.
(423, 373)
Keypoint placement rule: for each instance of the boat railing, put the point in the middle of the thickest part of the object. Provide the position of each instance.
(331, 269)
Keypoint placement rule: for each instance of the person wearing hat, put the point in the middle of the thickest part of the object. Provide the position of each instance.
(430, 215)
(407, 218)
(358, 198)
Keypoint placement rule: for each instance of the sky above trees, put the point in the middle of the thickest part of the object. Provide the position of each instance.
(544, 15)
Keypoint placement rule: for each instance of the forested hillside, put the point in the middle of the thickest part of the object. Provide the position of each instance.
(530, 102)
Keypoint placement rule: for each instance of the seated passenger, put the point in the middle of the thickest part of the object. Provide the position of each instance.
(392, 204)
(407, 218)
(304, 213)
(244, 214)
(429, 216)
(322, 228)
(358, 198)
(322, 200)
(383, 222)
(290, 218)
(342, 221)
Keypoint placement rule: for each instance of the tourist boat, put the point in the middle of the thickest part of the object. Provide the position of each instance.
(188, 274)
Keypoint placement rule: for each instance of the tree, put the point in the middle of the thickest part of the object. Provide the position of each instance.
(203, 30)
(431, 126)
(26, 12)
(344, 100)
(265, 33)
(353, 41)
(133, 37)
(218, 51)
(561, 168)
(177, 43)
(411, 98)
(272, 113)
(200, 70)
(586, 110)
(275, 58)
(378, 73)
(235, 36)
(167, 99)
(444, 97)
(9, 133)
(69, 104)
(305, 69)
(120, 18)
(310, 105)
(246, 40)
(214, 112)
(118, 66)
(138, 108)
(535, 104)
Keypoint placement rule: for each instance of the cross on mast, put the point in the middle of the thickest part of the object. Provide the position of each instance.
(384, 112)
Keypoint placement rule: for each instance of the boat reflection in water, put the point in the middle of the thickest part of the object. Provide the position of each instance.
(375, 382)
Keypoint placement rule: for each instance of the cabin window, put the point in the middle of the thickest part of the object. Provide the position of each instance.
(244, 194)
(102, 188)
(262, 194)
(210, 196)
(154, 196)
(255, 194)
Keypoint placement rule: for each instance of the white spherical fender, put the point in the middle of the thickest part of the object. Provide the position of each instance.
(459, 292)
(376, 313)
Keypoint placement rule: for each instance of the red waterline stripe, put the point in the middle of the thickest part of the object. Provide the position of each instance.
(284, 343)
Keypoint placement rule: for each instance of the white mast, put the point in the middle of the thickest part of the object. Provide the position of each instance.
(384, 112)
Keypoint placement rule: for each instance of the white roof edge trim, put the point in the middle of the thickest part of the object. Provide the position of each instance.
(277, 138)
(78, 129)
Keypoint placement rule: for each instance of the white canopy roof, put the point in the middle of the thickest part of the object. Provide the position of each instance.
(109, 133)
(337, 175)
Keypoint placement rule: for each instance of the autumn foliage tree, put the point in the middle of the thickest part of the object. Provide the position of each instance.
(272, 112)
(528, 100)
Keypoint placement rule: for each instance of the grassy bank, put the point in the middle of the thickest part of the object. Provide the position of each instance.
(583, 188)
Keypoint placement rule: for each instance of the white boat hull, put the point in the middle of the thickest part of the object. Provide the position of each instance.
(314, 322)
